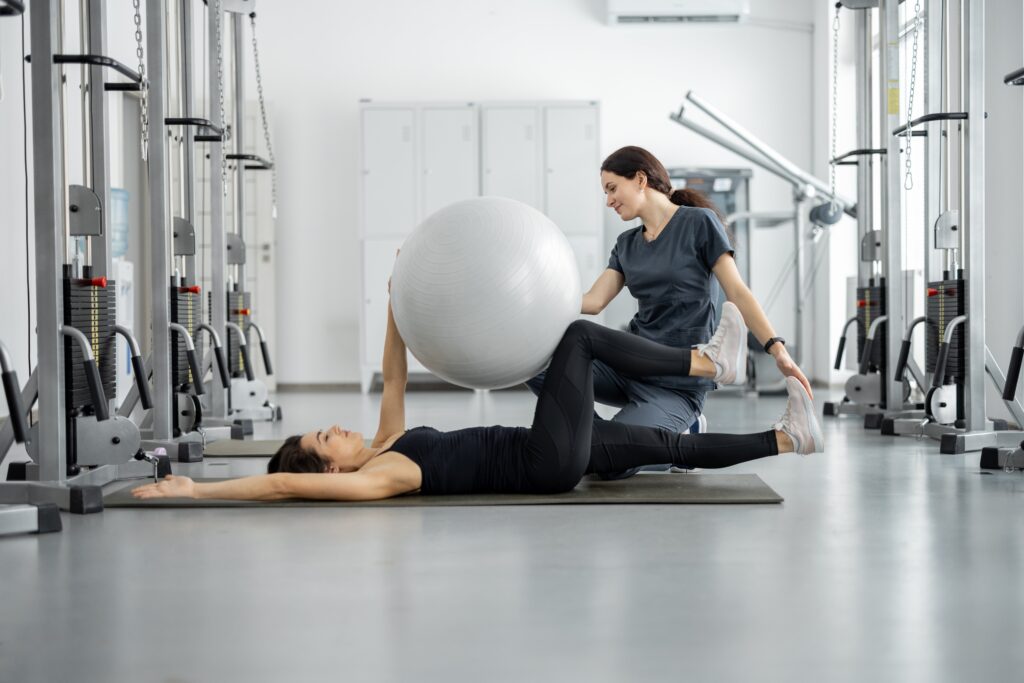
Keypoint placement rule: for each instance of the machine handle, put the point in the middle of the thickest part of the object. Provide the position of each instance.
(247, 362)
(939, 116)
(940, 365)
(839, 354)
(1010, 390)
(1014, 77)
(266, 357)
(99, 60)
(99, 399)
(13, 392)
(222, 366)
(141, 382)
(197, 373)
(11, 8)
(901, 364)
(865, 358)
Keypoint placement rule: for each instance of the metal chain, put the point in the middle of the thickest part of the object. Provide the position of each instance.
(143, 82)
(225, 128)
(263, 117)
(835, 86)
(908, 182)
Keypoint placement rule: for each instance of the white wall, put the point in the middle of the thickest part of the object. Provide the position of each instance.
(321, 57)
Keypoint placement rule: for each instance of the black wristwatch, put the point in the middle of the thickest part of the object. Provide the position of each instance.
(768, 344)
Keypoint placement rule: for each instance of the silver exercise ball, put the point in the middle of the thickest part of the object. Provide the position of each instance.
(483, 290)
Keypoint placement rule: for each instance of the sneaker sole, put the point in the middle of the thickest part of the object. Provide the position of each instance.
(740, 366)
(812, 421)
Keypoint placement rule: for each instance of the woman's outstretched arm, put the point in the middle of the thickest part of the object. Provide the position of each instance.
(754, 316)
(395, 371)
(372, 485)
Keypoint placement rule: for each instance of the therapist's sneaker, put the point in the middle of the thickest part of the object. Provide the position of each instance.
(728, 347)
(799, 422)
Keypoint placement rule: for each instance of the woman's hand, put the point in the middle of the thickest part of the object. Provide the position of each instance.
(788, 367)
(170, 487)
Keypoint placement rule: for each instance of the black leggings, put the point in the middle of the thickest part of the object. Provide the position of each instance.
(565, 442)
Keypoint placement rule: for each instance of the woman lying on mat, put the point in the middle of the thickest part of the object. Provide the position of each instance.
(551, 456)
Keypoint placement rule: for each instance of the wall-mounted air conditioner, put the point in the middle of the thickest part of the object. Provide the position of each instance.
(677, 11)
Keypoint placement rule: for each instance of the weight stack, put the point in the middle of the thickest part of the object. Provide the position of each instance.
(946, 300)
(92, 310)
(238, 313)
(870, 306)
(187, 311)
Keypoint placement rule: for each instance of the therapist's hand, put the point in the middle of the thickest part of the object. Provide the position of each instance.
(788, 367)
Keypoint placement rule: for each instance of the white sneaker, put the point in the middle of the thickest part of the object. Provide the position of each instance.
(728, 347)
(799, 422)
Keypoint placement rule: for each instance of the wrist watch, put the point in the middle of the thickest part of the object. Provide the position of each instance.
(771, 342)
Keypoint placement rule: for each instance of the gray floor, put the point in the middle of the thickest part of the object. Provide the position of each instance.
(887, 562)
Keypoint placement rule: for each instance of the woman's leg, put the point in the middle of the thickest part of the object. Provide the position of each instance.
(558, 450)
(616, 446)
(650, 405)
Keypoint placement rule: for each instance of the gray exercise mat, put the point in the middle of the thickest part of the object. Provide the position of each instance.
(251, 448)
(644, 488)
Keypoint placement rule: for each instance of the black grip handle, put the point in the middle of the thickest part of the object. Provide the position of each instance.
(865, 359)
(839, 353)
(99, 399)
(197, 374)
(1010, 390)
(901, 364)
(940, 365)
(142, 382)
(247, 362)
(266, 357)
(222, 366)
(13, 392)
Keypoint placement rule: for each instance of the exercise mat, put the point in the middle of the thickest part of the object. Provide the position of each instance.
(670, 489)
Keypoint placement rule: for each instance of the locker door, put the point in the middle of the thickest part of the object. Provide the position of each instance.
(450, 170)
(389, 172)
(589, 258)
(511, 154)
(572, 169)
(378, 261)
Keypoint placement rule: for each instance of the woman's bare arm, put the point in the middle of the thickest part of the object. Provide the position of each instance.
(396, 375)
(371, 485)
(605, 288)
(736, 291)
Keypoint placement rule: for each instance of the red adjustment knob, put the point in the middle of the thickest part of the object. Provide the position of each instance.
(932, 291)
(100, 282)
(241, 311)
(862, 304)
(194, 289)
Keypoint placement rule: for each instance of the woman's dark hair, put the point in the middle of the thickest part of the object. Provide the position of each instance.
(292, 457)
(628, 161)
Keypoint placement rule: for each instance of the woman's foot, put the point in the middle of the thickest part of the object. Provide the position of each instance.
(728, 347)
(799, 422)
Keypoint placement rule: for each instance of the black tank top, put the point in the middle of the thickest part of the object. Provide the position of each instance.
(474, 460)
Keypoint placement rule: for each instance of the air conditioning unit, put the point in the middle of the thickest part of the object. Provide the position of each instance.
(677, 11)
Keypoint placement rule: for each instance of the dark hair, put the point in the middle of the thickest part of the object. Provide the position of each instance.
(292, 457)
(628, 161)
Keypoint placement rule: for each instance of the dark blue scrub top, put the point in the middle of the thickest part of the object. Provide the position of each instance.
(671, 280)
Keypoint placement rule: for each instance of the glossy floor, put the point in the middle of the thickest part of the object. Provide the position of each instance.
(887, 562)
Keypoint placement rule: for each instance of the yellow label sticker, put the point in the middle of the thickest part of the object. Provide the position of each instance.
(894, 101)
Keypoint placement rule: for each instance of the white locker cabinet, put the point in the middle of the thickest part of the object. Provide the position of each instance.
(389, 171)
(451, 157)
(572, 169)
(418, 157)
(511, 154)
